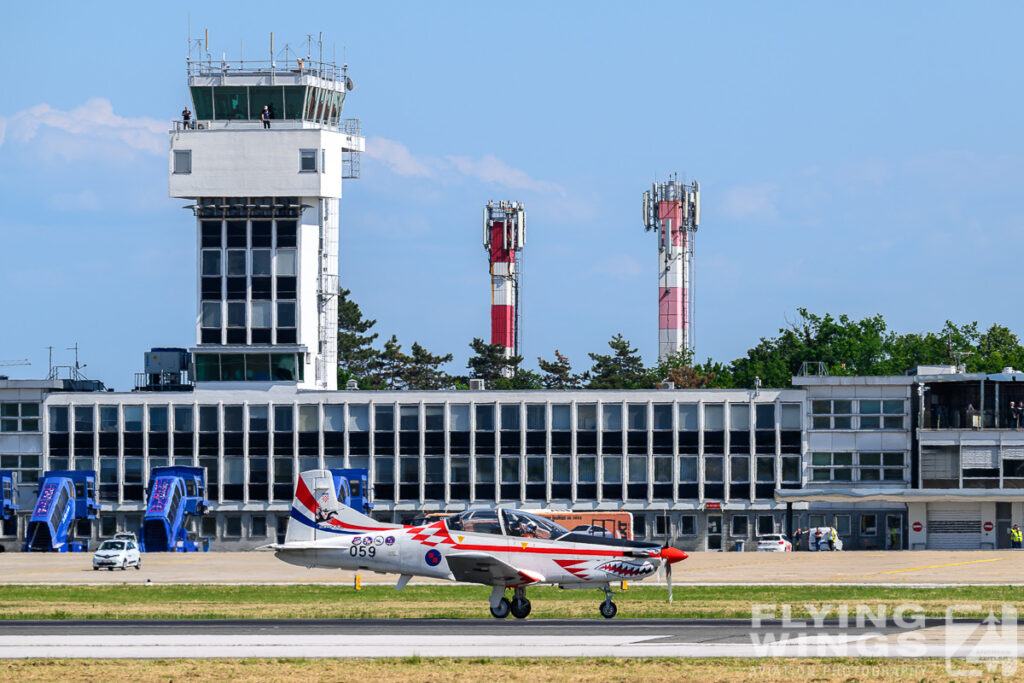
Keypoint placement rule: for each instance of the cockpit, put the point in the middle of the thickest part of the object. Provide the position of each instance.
(506, 522)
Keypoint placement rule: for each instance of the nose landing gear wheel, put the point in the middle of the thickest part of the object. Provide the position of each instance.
(521, 608)
(502, 610)
(608, 609)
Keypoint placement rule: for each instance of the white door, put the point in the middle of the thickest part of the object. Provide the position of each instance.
(954, 526)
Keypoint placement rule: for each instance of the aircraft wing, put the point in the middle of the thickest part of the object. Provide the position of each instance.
(489, 570)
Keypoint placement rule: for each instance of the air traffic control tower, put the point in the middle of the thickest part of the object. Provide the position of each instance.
(265, 190)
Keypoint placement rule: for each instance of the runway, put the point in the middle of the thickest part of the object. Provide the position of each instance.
(492, 638)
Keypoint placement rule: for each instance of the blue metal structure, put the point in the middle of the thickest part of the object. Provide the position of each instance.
(353, 488)
(175, 494)
(8, 508)
(64, 498)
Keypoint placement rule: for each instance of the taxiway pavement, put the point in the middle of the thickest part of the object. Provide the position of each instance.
(506, 638)
(255, 567)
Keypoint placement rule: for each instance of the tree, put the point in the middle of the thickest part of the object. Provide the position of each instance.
(680, 369)
(423, 370)
(844, 346)
(391, 366)
(522, 379)
(623, 369)
(999, 348)
(558, 373)
(356, 355)
(489, 362)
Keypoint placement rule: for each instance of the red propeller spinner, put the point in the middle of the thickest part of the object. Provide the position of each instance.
(672, 555)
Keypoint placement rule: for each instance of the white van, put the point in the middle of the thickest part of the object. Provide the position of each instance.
(826, 533)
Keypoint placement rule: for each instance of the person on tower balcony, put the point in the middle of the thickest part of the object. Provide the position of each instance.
(186, 118)
(265, 116)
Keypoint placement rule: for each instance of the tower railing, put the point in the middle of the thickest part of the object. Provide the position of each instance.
(298, 66)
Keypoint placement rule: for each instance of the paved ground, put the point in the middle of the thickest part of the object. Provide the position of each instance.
(536, 638)
(900, 568)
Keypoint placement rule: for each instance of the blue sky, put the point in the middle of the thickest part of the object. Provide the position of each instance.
(852, 159)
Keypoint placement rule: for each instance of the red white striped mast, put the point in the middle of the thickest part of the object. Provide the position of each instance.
(504, 237)
(672, 211)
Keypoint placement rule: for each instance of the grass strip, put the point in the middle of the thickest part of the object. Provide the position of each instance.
(466, 601)
(569, 670)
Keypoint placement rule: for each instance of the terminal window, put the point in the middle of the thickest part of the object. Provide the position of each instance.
(19, 417)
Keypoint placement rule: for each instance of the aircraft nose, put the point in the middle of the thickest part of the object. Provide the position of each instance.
(672, 555)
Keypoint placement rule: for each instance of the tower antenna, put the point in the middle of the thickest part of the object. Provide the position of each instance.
(672, 211)
(504, 236)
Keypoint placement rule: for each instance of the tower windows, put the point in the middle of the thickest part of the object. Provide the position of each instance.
(236, 262)
(260, 262)
(211, 314)
(182, 161)
(210, 265)
(286, 262)
(307, 161)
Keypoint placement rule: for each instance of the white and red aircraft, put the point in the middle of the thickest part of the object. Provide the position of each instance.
(502, 548)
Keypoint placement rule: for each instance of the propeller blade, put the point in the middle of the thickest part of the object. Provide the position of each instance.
(668, 577)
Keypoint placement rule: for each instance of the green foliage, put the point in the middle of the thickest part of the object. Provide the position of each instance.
(489, 362)
(622, 369)
(522, 379)
(558, 373)
(867, 347)
(356, 354)
(423, 370)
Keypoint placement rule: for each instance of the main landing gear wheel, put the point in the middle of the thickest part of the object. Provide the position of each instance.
(521, 608)
(608, 608)
(502, 610)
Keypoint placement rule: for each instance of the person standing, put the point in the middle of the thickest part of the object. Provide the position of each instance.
(832, 538)
(186, 122)
(265, 116)
(1015, 413)
(797, 535)
(1016, 536)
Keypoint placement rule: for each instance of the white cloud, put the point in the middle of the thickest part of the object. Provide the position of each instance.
(396, 157)
(491, 169)
(487, 169)
(94, 121)
(750, 201)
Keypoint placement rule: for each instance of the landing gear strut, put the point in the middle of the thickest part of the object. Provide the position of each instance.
(520, 605)
(608, 608)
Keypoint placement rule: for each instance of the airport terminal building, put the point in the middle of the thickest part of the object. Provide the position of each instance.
(924, 460)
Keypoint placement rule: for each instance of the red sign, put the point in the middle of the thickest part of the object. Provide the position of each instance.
(988, 526)
(917, 526)
(712, 506)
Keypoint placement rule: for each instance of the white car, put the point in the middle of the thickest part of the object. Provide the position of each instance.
(826, 531)
(774, 543)
(117, 553)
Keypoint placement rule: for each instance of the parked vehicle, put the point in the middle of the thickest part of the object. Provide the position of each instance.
(814, 543)
(774, 543)
(117, 553)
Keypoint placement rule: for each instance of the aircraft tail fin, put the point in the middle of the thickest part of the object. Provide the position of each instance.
(317, 513)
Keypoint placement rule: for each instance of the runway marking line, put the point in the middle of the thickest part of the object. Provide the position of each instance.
(939, 566)
(918, 569)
